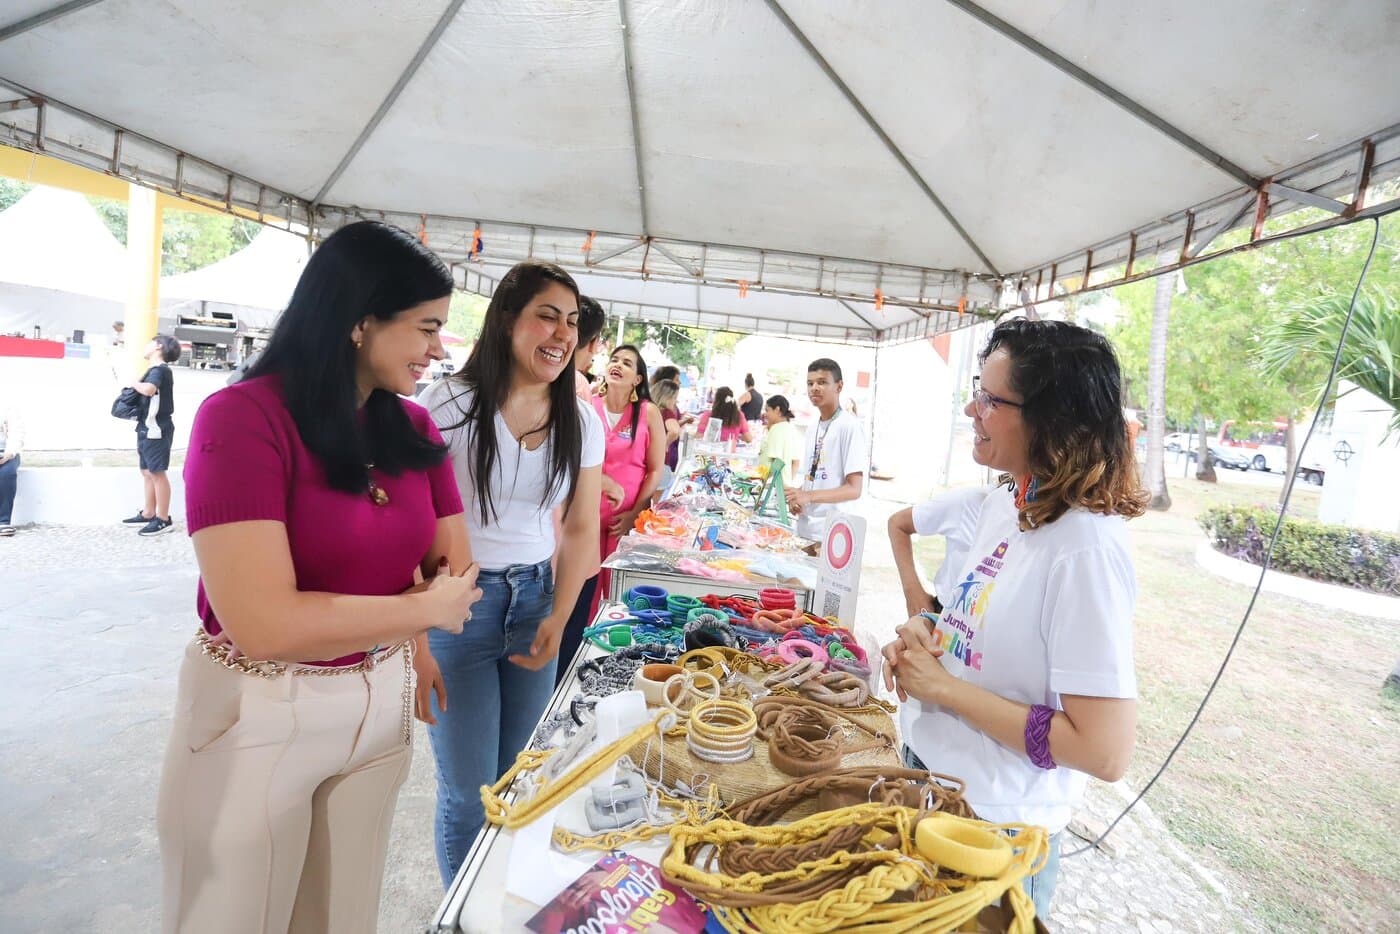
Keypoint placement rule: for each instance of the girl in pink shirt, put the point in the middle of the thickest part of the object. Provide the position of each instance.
(726, 411)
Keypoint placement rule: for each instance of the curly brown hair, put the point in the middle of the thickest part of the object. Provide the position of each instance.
(1071, 390)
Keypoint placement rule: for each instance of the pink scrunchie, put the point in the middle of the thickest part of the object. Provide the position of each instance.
(789, 651)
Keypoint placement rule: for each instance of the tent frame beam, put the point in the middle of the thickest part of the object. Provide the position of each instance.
(629, 73)
(391, 98)
(879, 131)
(1107, 91)
(43, 17)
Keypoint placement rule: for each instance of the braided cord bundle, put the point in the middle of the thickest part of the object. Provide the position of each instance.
(551, 794)
(853, 868)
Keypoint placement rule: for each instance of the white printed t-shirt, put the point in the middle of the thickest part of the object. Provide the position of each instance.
(1034, 615)
(523, 531)
(954, 516)
(837, 448)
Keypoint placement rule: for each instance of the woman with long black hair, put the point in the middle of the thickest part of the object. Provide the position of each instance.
(315, 496)
(522, 444)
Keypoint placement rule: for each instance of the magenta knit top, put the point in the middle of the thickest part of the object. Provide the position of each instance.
(246, 461)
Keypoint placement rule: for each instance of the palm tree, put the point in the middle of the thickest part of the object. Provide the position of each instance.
(1371, 357)
(1156, 467)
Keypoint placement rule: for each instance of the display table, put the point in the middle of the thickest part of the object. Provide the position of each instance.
(477, 901)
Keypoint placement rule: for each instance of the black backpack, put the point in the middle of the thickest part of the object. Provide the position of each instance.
(127, 405)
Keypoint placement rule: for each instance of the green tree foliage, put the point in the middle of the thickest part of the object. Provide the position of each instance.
(189, 240)
(466, 315)
(1371, 357)
(685, 346)
(11, 190)
(1222, 311)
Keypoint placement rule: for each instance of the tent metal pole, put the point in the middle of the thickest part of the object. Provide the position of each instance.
(45, 16)
(384, 107)
(864, 320)
(1059, 62)
(879, 131)
(629, 74)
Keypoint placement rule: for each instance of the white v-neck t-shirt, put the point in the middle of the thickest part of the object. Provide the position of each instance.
(523, 530)
(1034, 615)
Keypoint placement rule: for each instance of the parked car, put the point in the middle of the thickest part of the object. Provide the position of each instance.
(1233, 458)
(1312, 475)
(1177, 441)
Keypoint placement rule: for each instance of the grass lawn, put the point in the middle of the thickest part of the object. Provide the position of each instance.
(1289, 786)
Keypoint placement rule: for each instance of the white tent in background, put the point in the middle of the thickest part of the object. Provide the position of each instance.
(54, 239)
(61, 270)
(255, 282)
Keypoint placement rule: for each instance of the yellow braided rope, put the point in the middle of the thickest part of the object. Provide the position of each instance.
(692, 811)
(864, 902)
(551, 794)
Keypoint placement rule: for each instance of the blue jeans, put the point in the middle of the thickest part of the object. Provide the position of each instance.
(492, 704)
(9, 483)
(1041, 886)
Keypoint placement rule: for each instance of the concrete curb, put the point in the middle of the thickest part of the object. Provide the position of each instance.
(1332, 596)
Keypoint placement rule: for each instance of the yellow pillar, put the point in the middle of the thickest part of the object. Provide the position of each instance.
(143, 237)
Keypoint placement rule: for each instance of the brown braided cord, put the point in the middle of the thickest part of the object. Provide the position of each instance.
(879, 784)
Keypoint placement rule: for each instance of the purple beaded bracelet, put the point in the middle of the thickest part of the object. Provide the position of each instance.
(1038, 736)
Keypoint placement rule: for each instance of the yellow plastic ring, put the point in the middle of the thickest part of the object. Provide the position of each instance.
(962, 846)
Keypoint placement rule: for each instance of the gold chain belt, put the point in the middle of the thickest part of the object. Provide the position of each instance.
(222, 655)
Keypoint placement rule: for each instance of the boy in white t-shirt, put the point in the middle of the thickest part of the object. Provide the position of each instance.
(954, 516)
(835, 458)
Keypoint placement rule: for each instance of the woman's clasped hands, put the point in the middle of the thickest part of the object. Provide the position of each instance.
(912, 666)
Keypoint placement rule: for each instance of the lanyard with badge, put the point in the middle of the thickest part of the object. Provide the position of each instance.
(817, 449)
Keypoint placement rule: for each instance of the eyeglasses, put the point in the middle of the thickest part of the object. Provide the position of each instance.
(984, 401)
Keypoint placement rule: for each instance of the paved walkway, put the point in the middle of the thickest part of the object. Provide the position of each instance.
(94, 622)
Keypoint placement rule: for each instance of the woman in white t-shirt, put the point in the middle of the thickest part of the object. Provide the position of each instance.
(954, 516)
(522, 443)
(1024, 686)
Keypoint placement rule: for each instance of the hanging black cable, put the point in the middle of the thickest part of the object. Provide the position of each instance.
(1268, 555)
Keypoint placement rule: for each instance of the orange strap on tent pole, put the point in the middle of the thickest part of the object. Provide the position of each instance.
(588, 244)
(476, 242)
(423, 229)
(879, 300)
(743, 288)
(962, 304)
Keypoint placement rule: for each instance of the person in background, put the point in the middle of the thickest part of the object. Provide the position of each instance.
(635, 456)
(751, 400)
(781, 442)
(317, 500)
(118, 334)
(1024, 686)
(11, 445)
(835, 459)
(664, 392)
(155, 434)
(590, 343)
(522, 446)
(953, 515)
(665, 372)
(725, 411)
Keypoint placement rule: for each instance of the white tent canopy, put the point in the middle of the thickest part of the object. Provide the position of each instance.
(848, 171)
(54, 239)
(257, 280)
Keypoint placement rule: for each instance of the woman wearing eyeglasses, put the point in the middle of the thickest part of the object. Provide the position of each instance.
(1024, 685)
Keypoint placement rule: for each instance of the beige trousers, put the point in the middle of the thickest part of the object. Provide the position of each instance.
(276, 798)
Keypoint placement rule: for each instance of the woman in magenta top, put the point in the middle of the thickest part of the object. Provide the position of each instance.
(726, 411)
(317, 499)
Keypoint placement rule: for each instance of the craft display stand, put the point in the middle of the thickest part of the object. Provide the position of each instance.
(624, 580)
